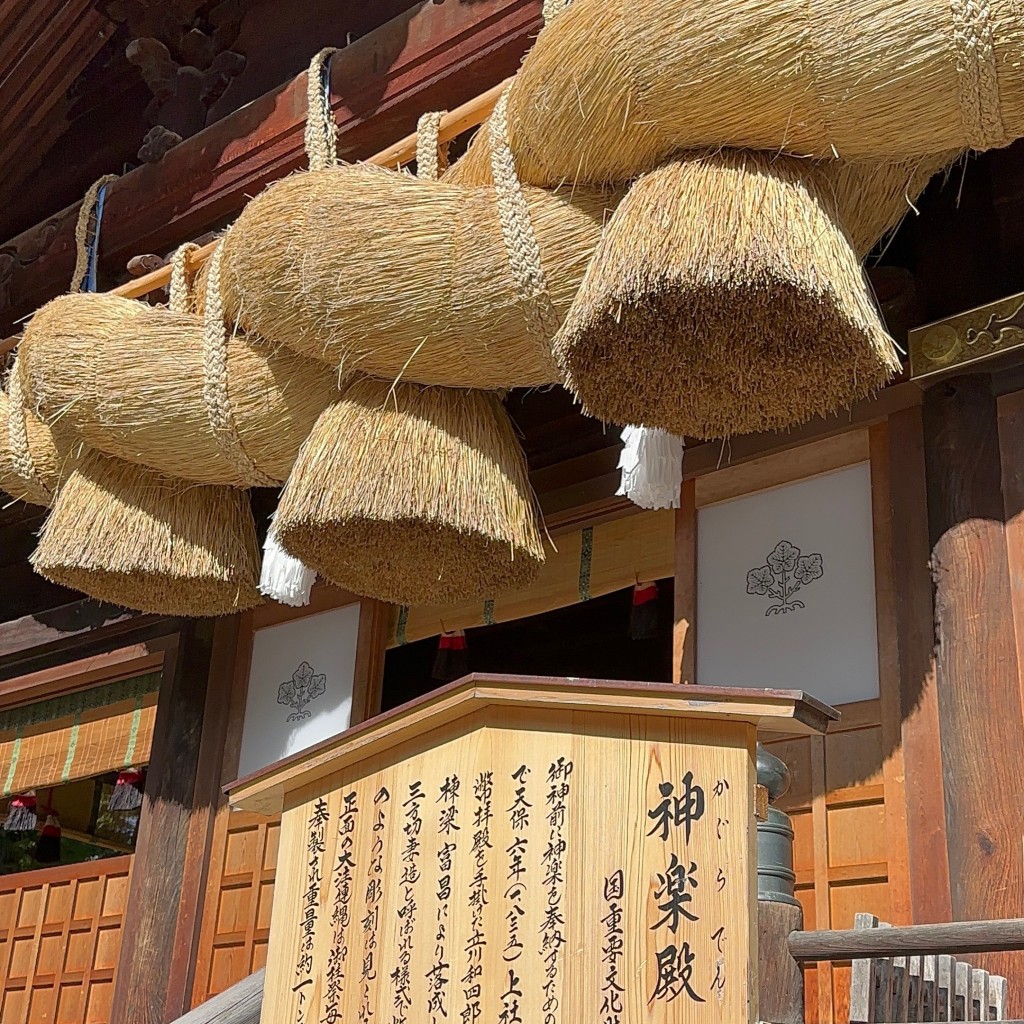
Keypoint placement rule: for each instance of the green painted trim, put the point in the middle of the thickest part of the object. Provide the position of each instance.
(489, 612)
(78, 703)
(133, 733)
(403, 621)
(72, 747)
(13, 766)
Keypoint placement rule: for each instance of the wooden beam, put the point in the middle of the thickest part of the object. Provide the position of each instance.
(910, 940)
(919, 712)
(86, 627)
(780, 981)
(979, 704)
(443, 55)
(168, 877)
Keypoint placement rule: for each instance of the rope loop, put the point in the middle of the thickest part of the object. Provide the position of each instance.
(431, 154)
(974, 47)
(550, 9)
(215, 382)
(517, 231)
(179, 297)
(87, 234)
(321, 135)
(17, 439)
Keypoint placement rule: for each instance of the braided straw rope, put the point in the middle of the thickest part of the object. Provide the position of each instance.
(517, 231)
(974, 43)
(321, 135)
(215, 379)
(431, 156)
(17, 437)
(179, 300)
(550, 9)
(85, 214)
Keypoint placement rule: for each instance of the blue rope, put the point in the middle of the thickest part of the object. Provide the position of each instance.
(90, 283)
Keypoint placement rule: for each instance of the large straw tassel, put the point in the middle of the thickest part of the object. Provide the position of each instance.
(129, 378)
(130, 536)
(414, 495)
(724, 298)
(612, 88)
(311, 263)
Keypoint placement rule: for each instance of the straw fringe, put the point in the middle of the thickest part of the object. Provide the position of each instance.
(125, 377)
(311, 263)
(413, 495)
(754, 316)
(612, 88)
(135, 538)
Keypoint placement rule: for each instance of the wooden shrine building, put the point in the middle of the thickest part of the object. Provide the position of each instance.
(906, 510)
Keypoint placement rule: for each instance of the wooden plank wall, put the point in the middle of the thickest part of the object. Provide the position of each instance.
(60, 936)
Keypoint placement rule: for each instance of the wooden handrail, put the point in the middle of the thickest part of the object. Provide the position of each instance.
(470, 114)
(909, 940)
(454, 123)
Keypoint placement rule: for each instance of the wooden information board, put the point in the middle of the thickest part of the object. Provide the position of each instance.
(524, 852)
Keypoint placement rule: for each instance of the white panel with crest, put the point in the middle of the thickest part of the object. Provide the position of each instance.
(786, 589)
(300, 685)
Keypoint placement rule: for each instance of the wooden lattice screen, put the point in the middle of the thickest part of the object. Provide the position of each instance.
(60, 934)
(236, 916)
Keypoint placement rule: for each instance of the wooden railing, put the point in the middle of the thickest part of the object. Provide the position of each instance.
(60, 935)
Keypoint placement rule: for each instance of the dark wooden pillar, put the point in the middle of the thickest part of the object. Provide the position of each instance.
(981, 726)
(928, 867)
(161, 929)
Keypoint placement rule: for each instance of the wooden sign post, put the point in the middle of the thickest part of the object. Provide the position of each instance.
(524, 851)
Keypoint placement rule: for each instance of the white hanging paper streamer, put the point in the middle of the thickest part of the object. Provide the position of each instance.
(282, 577)
(652, 467)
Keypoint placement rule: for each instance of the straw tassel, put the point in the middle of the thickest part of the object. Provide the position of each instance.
(48, 846)
(21, 815)
(452, 659)
(652, 467)
(643, 616)
(283, 578)
(128, 789)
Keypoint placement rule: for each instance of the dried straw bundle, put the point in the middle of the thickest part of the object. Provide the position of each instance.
(753, 315)
(135, 382)
(396, 276)
(130, 536)
(50, 456)
(415, 495)
(614, 87)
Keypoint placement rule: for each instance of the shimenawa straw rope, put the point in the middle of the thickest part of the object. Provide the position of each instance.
(179, 299)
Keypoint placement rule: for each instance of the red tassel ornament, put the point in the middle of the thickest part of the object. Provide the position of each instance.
(643, 616)
(128, 790)
(452, 659)
(21, 815)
